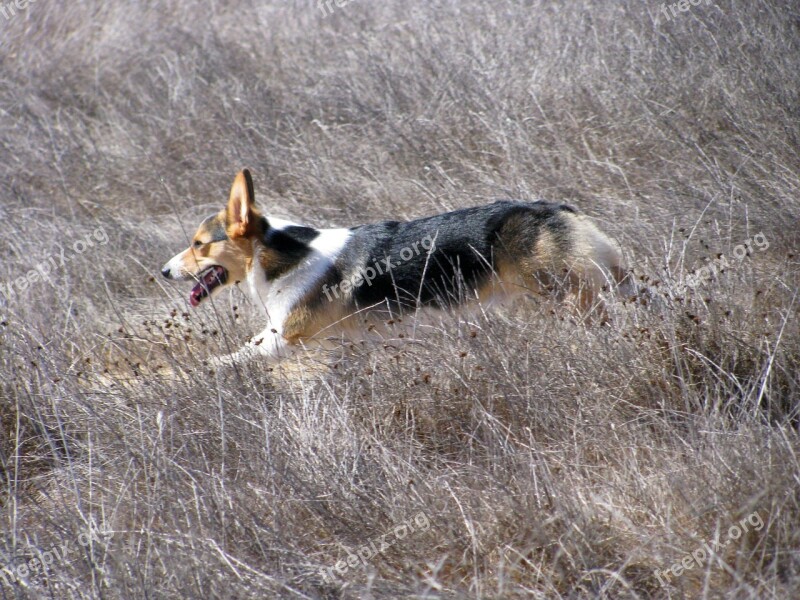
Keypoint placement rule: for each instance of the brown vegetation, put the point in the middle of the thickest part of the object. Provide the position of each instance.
(551, 459)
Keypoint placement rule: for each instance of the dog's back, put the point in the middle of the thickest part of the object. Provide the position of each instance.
(446, 259)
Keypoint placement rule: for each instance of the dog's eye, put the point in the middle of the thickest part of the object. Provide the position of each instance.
(197, 243)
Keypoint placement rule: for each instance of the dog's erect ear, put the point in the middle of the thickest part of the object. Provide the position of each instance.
(240, 204)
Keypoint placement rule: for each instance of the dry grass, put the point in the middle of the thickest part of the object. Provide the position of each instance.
(551, 460)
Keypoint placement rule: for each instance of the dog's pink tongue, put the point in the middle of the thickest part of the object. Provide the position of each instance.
(212, 279)
(196, 294)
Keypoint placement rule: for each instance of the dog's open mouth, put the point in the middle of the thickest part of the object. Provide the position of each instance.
(207, 282)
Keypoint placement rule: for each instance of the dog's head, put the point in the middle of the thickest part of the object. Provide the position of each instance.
(221, 253)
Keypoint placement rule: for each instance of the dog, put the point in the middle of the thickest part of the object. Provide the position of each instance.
(314, 283)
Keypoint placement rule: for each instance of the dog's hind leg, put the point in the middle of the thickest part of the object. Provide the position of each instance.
(566, 257)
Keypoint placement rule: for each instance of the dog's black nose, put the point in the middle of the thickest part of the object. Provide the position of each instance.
(165, 272)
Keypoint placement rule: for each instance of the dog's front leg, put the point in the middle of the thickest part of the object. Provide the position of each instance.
(268, 344)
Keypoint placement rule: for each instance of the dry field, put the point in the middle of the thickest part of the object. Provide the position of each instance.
(509, 453)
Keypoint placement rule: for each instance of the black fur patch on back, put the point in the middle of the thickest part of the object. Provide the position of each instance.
(463, 255)
(292, 241)
(301, 233)
(288, 247)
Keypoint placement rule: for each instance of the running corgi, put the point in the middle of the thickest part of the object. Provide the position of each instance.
(315, 283)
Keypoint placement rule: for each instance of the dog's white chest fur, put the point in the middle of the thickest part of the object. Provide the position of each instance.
(277, 297)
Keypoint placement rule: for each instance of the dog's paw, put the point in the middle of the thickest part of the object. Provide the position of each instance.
(226, 361)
